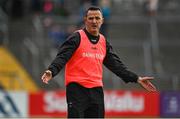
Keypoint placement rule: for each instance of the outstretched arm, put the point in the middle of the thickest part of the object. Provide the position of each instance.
(145, 83)
(64, 54)
(113, 62)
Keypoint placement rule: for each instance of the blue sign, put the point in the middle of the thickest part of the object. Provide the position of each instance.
(170, 104)
(7, 106)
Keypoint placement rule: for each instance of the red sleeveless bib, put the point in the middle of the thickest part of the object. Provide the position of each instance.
(85, 66)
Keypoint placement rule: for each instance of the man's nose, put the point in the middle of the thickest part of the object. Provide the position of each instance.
(94, 20)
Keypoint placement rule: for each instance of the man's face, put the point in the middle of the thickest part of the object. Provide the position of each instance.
(93, 21)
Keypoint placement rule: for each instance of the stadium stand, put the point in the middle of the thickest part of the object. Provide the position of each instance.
(149, 45)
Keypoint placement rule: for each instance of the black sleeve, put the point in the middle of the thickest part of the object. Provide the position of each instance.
(113, 63)
(65, 52)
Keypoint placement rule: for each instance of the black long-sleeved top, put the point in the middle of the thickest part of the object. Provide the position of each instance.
(111, 61)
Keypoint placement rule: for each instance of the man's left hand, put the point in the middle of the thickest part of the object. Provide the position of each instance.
(145, 83)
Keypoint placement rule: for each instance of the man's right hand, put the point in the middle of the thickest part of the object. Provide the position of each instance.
(46, 76)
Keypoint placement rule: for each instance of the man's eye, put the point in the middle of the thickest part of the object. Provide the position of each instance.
(91, 18)
(97, 18)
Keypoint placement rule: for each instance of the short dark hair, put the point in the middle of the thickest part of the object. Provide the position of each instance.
(92, 8)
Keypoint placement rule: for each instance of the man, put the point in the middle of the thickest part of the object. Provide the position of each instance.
(84, 53)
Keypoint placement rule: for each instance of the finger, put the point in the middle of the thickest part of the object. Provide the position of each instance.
(146, 78)
(43, 76)
(45, 81)
(149, 86)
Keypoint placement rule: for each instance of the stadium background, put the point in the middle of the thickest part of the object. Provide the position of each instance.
(144, 33)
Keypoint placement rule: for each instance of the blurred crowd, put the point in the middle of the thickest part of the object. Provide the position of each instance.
(16, 9)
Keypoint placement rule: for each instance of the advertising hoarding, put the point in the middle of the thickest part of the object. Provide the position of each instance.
(170, 104)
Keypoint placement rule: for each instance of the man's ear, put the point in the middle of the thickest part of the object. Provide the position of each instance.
(102, 20)
(84, 19)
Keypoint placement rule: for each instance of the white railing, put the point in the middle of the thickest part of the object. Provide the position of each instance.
(34, 54)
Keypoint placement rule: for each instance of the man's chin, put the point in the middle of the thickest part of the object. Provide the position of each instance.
(95, 30)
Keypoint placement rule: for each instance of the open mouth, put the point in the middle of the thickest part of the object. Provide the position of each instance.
(94, 26)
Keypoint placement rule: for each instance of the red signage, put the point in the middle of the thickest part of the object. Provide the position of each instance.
(117, 104)
(131, 104)
(47, 104)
